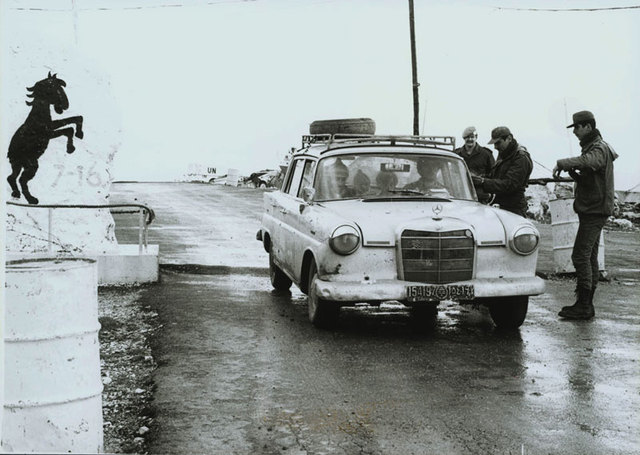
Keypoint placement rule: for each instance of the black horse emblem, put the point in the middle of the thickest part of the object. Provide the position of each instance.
(32, 138)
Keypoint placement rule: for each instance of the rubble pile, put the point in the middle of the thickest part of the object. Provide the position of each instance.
(538, 197)
(626, 215)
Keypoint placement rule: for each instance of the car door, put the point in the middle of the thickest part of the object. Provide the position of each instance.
(285, 208)
(300, 222)
(274, 218)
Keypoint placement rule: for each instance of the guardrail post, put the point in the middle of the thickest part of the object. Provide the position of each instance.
(49, 229)
(140, 230)
(146, 232)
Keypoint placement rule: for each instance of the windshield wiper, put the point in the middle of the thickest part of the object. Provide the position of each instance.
(416, 197)
(406, 191)
(426, 195)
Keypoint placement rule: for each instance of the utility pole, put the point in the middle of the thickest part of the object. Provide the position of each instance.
(414, 73)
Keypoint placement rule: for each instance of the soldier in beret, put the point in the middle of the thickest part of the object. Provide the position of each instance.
(510, 174)
(594, 196)
(479, 159)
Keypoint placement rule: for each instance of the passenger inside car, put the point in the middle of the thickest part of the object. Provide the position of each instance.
(386, 182)
(341, 174)
(332, 181)
(361, 183)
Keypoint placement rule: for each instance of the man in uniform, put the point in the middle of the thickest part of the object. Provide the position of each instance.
(479, 159)
(594, 196)
(510, 175)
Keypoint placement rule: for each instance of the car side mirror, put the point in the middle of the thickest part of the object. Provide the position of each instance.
(307, 194)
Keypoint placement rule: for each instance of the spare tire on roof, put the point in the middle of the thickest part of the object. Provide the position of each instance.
(343, 126)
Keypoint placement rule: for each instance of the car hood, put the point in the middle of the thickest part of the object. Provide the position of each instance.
(381, 222)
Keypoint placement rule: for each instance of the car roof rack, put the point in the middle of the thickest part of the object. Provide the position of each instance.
(340, 140)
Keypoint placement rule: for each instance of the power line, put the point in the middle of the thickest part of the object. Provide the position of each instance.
(140, 7)
(209, 3)
(541, 165)
(143, 7)
(610, 8)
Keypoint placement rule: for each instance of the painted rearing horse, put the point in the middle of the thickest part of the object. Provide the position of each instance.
(31, 139)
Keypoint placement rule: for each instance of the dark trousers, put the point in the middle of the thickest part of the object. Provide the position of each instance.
(585, 250)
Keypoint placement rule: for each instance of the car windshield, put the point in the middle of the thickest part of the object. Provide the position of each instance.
(391, 175)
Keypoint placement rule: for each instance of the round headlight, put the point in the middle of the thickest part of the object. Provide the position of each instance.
(525, 240)
(344, 240)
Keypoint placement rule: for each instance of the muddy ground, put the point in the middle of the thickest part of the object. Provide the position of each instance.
(129, 328)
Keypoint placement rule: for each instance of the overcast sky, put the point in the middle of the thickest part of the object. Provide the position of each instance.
(236, 83)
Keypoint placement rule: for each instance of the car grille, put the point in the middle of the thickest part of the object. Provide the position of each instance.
(437, 257)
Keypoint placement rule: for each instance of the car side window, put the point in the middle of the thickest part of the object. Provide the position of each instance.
(296, 177)
(307, 175)
(289, 177)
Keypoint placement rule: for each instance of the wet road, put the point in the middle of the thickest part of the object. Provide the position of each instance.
(242, 370)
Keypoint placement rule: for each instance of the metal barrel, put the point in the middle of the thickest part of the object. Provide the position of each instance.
(564, 227)
(53, 389)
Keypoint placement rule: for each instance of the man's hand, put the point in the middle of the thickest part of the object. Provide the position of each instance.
(477, 180)
(556, 172)
(575, 175)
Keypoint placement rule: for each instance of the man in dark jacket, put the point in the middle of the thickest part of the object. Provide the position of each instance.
(510, 174)
(479, 159)
(594, 195)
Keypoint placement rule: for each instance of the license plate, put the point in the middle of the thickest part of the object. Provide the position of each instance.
(440, 292)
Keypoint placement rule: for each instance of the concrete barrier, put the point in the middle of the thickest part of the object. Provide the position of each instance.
(53, 389)
(131, 265)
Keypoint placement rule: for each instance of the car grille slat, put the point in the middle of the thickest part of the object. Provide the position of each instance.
(437, 257)
(433, 265)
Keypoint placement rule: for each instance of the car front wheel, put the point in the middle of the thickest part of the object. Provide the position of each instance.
(322, 313)
(509, 312)
(279, 280)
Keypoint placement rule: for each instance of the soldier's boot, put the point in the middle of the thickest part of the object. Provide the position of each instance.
(572, 307)
(593, 290)
(591, 309)
(583, 308)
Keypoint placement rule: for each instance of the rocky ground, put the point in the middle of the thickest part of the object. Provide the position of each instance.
(127, 366)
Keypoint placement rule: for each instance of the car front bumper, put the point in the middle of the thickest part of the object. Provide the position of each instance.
(382, 290)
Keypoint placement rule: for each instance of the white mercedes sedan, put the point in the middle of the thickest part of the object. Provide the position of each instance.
(369, 219)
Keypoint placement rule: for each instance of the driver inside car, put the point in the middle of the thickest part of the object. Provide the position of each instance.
(428, 180)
